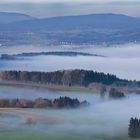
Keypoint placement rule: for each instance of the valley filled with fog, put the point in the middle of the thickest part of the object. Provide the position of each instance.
(69, 70)
(106, 118)
(121, 60)
(103, 119)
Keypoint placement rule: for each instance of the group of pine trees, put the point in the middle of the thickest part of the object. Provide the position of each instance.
(134, 128)
(113, 93)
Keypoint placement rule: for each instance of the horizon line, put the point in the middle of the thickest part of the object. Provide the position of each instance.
(73, 15)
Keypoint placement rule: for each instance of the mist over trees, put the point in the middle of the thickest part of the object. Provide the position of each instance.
(62, 102)
(114, 93)
(103, 91)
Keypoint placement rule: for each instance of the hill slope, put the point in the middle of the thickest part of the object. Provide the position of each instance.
(69, 78)
(66, 77)
(84, 29)
(6, 17)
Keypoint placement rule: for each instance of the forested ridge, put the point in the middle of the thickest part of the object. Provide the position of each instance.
(67, 77)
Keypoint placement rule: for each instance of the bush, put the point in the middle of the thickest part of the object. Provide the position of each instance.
(113, 93)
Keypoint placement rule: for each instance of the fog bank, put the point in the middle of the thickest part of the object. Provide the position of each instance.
(123, 60)
(102, 119)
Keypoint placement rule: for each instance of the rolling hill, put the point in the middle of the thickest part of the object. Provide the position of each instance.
(6, 17)
(83, 29)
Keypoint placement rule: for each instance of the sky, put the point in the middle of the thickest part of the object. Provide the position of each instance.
(51, 8)
(81, 1)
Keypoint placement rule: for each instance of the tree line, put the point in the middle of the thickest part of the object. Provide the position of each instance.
(61, 102)
(66, 77)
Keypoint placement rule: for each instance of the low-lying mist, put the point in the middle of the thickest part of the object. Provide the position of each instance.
(103, 119)
(122, 60)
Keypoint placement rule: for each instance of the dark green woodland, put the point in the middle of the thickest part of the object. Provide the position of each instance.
(67, 77)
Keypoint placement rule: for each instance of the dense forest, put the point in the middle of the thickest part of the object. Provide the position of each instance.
(67, 77)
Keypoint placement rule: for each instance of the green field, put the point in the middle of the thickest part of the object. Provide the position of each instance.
(37, 136)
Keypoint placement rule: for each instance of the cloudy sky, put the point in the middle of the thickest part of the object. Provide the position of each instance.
(49, 8)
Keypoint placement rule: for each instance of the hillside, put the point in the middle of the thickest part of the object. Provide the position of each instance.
(97, 21)
(85, 29)
(7, 18)
(77, 77)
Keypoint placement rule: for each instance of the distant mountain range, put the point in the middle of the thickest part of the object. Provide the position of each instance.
(13, 17)
(18, 29)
